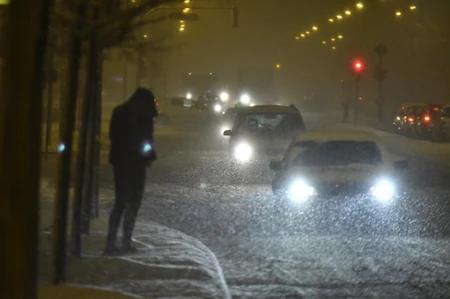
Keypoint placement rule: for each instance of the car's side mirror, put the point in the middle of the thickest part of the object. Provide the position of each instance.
(275, 165)
(227, 133)
(401, 164)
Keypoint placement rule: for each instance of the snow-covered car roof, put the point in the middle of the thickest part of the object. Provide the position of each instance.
(333, 135)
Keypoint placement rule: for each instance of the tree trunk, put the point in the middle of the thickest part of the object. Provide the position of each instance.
(20, 133)
(91, 192)
(81, 158)
(64, 163)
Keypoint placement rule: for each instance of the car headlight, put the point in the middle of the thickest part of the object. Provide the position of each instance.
(243, 152)
(383, 190)
(217, 108)
(300, 190)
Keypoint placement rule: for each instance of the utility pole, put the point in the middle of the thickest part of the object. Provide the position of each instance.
(358, 68)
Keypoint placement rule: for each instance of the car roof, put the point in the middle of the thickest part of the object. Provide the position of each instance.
(324, 135)
(269, 108)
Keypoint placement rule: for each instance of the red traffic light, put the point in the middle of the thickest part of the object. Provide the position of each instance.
(358, 66)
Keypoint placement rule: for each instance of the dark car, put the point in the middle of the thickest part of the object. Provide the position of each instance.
(428, 120)
(263, 131)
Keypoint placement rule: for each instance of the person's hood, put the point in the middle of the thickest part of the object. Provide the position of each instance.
(142, 101)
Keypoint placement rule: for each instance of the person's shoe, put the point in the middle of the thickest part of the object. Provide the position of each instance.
(129, 249)
(111, 250)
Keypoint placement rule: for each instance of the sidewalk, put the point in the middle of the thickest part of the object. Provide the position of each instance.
(169, 264)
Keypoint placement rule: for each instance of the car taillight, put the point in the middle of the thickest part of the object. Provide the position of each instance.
(426, 118)
(410, 119)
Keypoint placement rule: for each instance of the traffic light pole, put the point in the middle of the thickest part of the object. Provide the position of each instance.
(357, 79)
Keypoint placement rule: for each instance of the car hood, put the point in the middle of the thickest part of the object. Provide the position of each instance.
(340, 179)
(348, 173)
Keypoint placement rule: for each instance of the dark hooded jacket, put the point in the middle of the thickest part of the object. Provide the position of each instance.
(131, 128)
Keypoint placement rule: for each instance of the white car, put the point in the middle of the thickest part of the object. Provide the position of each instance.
(331, 163)
(263, 131)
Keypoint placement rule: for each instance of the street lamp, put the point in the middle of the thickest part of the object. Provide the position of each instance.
(359, 5)
(339, 17)
(413, 7)
(340, 36)
(302, 35)
(324, 42)
(278, 66)
(398, 13)
(314, 28)
(348, 12)
(330, 20)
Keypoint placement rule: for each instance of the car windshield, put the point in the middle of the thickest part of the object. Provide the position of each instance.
(339, 153)
(273, 120)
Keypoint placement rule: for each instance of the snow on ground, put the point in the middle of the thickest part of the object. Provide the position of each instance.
(168, 264)
(77, 292)
(337, 267)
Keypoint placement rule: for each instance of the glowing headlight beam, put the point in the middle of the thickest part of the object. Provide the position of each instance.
(383, 190)
(243, 152)
(245, 99)
(224, 96)
(300, 191)
(217, 108)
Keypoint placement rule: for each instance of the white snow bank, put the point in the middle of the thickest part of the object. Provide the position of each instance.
(77, 292)
(168, 264)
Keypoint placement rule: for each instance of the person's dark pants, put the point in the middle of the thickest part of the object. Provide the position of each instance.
(129, 183)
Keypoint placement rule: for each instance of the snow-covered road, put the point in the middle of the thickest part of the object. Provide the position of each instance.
(336, 250)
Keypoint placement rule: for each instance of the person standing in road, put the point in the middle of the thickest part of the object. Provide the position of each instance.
(132, 151)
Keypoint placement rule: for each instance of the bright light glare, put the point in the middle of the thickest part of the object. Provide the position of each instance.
(359, 5)
(398, 13)
(348, 12)
(186, 9)
(61, 147)
(217, 108)
(243, 152)
(300, 191)
(331, 20)
(224, 96)
(189, 95)
(384, 190)
(146, 148)
(245, 99)
(413, 7)
(339, 17)
(314, 28)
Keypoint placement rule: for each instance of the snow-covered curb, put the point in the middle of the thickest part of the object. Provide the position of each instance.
(169, 264)
(77, 292)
